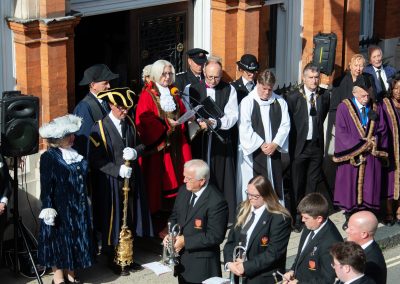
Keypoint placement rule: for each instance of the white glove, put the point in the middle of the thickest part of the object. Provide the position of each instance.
(125, 172)
(130, 154)
(48, 215)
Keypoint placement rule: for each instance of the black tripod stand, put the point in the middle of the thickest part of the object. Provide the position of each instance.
(18, 227)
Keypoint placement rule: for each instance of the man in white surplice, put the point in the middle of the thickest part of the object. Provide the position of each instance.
(264, 126)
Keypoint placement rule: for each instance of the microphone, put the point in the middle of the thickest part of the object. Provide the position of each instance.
(176, 92)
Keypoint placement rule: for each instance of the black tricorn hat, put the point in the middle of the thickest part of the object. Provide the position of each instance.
(248, 62)
(97, 73)
(363, 81)
(119, 97)
(198, 55)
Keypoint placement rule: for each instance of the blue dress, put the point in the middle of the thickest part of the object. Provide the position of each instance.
(68, 244)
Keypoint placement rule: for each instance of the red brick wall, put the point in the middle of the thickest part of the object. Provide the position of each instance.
(387, 19)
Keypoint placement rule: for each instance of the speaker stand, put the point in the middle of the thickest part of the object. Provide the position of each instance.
(17, 220)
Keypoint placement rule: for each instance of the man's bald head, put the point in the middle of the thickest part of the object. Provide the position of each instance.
(362, 227)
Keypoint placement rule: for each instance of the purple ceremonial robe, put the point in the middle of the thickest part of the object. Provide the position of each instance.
(392, 179)
(358, 186)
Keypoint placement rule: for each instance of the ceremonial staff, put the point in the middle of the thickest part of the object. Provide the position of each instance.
(124, 250)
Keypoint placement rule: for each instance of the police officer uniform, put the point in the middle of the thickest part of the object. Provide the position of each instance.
(199, 56)
(248, 62)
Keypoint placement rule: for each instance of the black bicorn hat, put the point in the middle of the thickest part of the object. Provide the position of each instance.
(97, 73)
(248, 62)
(363, 81)
(119, 97)
(198, 55)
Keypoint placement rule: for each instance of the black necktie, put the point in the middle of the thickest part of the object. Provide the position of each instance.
(310, 237)
(245, 229)
(123, 131)
(383, 87)
(191, 204)
(313, 110)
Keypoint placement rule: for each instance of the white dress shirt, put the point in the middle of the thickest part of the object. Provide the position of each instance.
(310, 124)
(383, 75)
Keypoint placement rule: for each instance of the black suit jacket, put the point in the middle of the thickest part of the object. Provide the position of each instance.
(204, 230)
(313, 265)
(298, 113)
(241, 89)
(375, 267)
(266, 251)
(364, 280)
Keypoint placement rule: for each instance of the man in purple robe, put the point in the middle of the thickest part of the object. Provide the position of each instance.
(360, 150)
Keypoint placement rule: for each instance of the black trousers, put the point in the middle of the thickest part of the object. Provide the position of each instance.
(306, 173)
(181, 280)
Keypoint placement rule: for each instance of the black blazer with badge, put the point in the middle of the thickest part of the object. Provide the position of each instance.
(375, 266)
(298, 113)
(204, 230)
(313, 265)
(266, 251)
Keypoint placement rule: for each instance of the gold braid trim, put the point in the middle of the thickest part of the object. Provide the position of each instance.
(360, 183)
(395, 130)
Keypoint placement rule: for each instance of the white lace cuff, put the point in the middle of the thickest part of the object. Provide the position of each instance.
(48, 215)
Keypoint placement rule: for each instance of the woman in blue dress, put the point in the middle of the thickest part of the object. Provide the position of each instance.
(65, 231)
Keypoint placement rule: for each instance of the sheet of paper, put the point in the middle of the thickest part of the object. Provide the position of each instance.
(188, 114)
(216, 280)
(157, 267)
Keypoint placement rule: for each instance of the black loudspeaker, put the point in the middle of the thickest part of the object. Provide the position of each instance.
(325, 52)
(19, 124)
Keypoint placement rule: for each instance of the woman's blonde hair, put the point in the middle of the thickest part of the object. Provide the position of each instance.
(269, 196)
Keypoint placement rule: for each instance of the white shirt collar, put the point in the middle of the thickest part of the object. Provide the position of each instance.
(358, 104)
(376, 69)
(259, 210)
(245, 81)
(320, 227)
(367, 244)
(199, 193)
(261, 102)
(116, 122)
(354, 279)
(308, 92)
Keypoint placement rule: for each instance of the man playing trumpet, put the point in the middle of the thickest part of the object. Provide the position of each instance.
(202, 213)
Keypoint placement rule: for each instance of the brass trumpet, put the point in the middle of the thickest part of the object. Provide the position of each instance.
(239, 254)
(170, 256)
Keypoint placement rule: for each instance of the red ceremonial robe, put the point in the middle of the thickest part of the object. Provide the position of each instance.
(163, 169)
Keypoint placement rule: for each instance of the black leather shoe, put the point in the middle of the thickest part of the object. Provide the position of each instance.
(135, 267)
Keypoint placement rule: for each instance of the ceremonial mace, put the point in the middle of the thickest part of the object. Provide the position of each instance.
(124, 250)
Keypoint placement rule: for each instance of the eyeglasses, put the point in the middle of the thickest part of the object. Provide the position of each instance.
(165, 74)
(254, 196)
(122, 109)
(211, 78)
(190, 179)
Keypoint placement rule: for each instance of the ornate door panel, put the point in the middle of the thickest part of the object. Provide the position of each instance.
(159, 32)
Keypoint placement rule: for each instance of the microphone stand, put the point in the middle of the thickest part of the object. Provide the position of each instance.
(210, 128)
